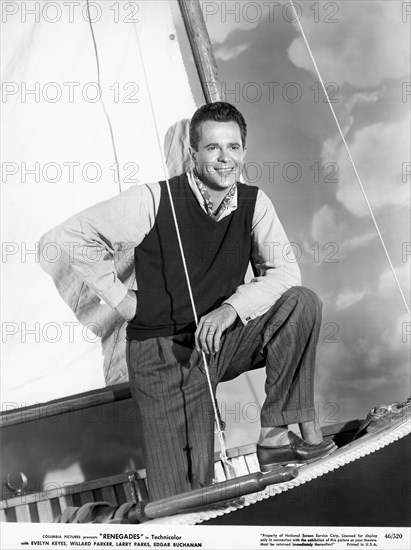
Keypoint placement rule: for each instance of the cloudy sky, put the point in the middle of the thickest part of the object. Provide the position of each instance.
(296, 155)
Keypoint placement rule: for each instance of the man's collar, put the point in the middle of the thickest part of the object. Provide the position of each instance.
(197, 186)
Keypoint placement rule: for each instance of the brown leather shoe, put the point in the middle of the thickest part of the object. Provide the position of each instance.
(297, 451)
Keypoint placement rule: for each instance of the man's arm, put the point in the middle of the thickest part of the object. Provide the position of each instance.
(90, 240)
(128, 306)
(274, 260)
(276, 274)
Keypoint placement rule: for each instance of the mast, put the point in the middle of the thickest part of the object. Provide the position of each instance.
(202, 49)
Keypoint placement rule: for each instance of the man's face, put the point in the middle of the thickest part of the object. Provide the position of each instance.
(220, 156)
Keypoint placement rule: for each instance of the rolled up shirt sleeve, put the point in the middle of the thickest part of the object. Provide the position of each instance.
(274, 261)
(92, 238)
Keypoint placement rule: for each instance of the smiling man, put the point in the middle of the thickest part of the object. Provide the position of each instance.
(270, 322)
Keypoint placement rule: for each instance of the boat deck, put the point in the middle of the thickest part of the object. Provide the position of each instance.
(131, 486)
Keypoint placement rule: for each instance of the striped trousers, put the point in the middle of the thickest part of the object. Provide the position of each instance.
(169, 387)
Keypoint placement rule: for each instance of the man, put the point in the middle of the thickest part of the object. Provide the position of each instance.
(271, 321)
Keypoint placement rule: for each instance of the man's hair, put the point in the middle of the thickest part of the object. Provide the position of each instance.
(220, 111)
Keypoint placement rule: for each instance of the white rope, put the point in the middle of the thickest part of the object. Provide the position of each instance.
(219, 431)
(350, 156)
(113, 142)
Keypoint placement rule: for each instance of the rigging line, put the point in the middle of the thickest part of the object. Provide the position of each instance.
(350, 157)
(220, 434)
(102, 100)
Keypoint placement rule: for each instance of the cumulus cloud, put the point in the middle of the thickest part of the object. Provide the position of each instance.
(386, 280)
(397, 335)
(358, 241)
(346, 120)
(361, 98)
(392, 346)
(325, 223)
(327, 226)
(368, 365)
(369, 42)
(349, 298)
(227, 53)
(380, 152)
(224, 17)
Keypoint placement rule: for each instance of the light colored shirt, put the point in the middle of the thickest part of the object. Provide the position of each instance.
(94, 236)
(219, 212)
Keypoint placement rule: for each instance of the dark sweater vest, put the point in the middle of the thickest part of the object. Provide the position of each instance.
(217, 256)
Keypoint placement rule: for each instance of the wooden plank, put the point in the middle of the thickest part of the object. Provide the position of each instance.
(236, 451)
(45, 511)
(240, 466)
(142, 491)
(23, 513)
(248, 464)
(66, 405)
(34, 513)
(120, 493)
(201, 48)
(108, 495)
(86, 497)
(65, 502)
(140, 474)
(11, 516)
(252, 463)
(55, 507)
(72, 489)
(3, 515)
(219, 473)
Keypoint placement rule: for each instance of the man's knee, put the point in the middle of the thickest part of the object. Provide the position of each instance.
(307, 298)
(299, 307)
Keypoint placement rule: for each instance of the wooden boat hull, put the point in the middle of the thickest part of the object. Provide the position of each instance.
(354, 487)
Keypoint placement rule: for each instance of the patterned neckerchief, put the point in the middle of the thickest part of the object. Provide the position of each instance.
(225, 203)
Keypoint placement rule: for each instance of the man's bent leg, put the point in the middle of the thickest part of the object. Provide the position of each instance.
(176, 414)
(284, 339)
(290, 339)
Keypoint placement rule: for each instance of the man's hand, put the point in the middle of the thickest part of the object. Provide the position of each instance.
(128, 306)
(211, 327)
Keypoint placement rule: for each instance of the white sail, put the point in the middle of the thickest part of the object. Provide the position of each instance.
(59, 158)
